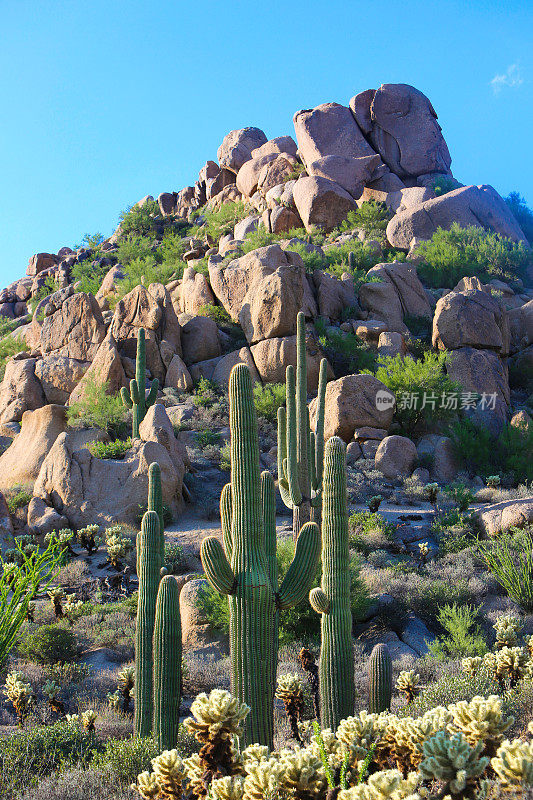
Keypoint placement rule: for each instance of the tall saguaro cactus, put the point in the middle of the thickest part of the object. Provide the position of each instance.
(245, 569)
(148, 568)
(300, 451)
(167, 664)
(380, 679)
(332, 601)
(137, 398)
(155, 501)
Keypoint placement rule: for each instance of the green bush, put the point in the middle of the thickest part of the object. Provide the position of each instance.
(126, 758)
(174, 559)
(217, 313)
(112, 450)
(219, 223)
(463, 636)
(419, 386)
(9, 347)
(27, 756)
(48, 645)
(50, 286)
(443, 185)
(522, 213)
(509, 557)
(268, 398)
(372, 217)
(89, 274)
(98, 408)
(91, 240)
(205, 393)
(361, 522)
(460, 494)
(18, 497)
(139, 219)
(207, 438)
(458, 252)
(454, 531)
(346, 352)
(473, 446)
(480, 453)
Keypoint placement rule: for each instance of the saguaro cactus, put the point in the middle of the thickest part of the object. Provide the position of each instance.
(149, 565)
(332, 601)
(137, 398)
(245, 569)
(380, 679)
(300, 451)
(155, 501)
(167, 664)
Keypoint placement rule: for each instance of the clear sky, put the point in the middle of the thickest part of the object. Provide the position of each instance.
(105, 101)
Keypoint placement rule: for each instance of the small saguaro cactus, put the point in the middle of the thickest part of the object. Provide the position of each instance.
(167, 664)
(155, 501)
(332, 601)
(380, 679)
(149, 566)
(300, 451)
(246, 570)
(137, 398)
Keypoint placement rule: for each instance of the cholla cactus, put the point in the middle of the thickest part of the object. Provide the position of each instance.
(374, 503)
(113, 698)
(513, 763)
(51, 689)
(407, 684)
(360, 732)
(493, 481)
(480, 720)
(529, 645)
(19, 693)
(72, 609)
(126, 682)
(117, 546)
(88, 718)
(423, 549)
(63, 538)
(303, 774)
(30, 611)
(57, 596)
(194, 769)
(228, 788)
(170, 773)
(289, 691)
(89, 539)
(451, 759)
(147, 786)
(510, 665)
(254, 754)
(73, 719)
(263, 780)
(387, 785)
(507, 629)
(472, 665)
(432, 492)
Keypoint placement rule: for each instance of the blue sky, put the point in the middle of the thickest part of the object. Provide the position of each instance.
(104, 102)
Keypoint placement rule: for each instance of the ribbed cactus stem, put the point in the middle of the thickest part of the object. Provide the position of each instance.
(332, 601)
(300, 453)
(380, 679)
(155, 501)
(137, 399)
(167, 664)
(149, 565)
(245, 569)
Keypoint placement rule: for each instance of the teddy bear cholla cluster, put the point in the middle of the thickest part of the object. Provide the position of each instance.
(456, 746)
(510, 662)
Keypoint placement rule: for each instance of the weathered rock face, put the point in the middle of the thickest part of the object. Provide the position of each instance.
(382, 303)
(21, 462)
(43, 519)
(273, 356)
(329, 130)
(281, 144)
(199, 339)
(237, 146)
(197, 633)
(73, 326)
(321, 202)
(89, 490)
(391, 344)
(20, 390)
(403, 277)
(109, 286)
(40, 262)
(402, 125)
(470, 318)
(248, 175)
(194, 292)
(352, 174)
(483, 372)
(157, 427)
(262, 290)
(178, 376)
(396, 456)
(499, 517)
(521, 326)
(106, 368)
(355, 401)
(333, 295)
(58, 375)
(469, 205)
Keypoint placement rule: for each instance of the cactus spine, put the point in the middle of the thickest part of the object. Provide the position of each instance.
(167, 664)
(137, 398)
(332, 601)
(149, 565)
(300, 451)
(380, 679)
(245, 568)
(155, 501)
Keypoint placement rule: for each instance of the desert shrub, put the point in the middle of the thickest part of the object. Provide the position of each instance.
(219, 223)
(9, 347)
(91, 240)
(127, 757)
(460, 494)
(205, 393)
(454, 531)
(443, 185)
(31, 754)
(509, 557)
(49, 287)
(514, 449)
(111, 450)
(480, 453)
(361, 522)
(463, 636)
(207, 438)
(48, 645)
(419, 387)
(312, 258)
(76, 783)
(171, 252)
(139, 219)
(98, 408)
(473, 446)
(522, 213)
(144, 271)
(458, 252)
(354, 257)
(217, 313)
(174, 558)
(18, 497)
(268, 398)
(89, 274)
(372, 217)
(451, 686)
(345, 351)
(225, 457)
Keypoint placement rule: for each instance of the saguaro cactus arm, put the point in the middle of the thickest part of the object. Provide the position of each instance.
(302, 569)
(319, 600)
(217, 569)
(226, 510)
(126, 398)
